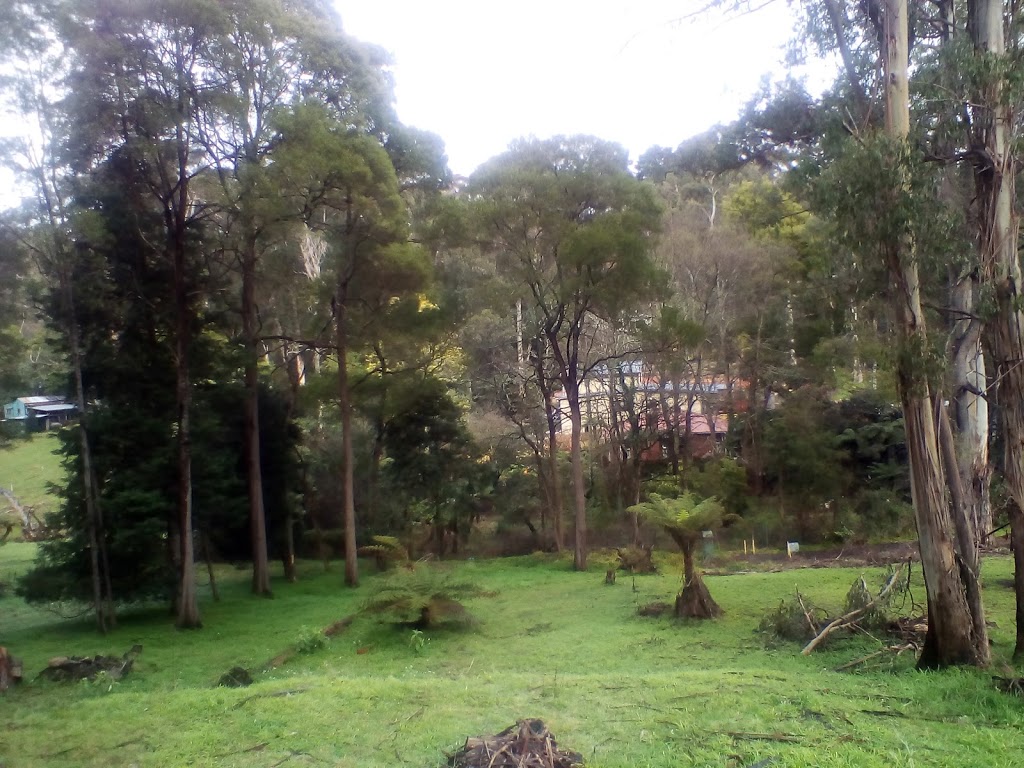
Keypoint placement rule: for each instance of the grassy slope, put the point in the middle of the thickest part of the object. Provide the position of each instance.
(553, 644)
(29, 466)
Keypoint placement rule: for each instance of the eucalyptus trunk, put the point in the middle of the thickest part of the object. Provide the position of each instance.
(994, 172)
(950, 638)
(970, 409)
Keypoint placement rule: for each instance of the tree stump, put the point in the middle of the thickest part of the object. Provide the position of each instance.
(609, 576)
(695, 601)
(10, 670)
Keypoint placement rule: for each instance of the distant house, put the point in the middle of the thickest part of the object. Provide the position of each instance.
(40, 412)
(608, 395)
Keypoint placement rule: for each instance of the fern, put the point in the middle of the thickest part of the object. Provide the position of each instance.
(421, 596)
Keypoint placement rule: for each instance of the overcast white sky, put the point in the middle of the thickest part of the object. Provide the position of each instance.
(481, 73)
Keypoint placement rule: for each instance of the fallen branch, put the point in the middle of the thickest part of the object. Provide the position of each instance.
(897, 649)
(274, 695)
(848, 618)
(807, 614)
(762, 736)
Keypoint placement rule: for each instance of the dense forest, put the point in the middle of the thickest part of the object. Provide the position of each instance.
(289, 331)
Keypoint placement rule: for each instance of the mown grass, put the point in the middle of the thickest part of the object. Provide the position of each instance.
(28, 467)
(554, 644)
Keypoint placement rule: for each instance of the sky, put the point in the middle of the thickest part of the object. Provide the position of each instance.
(482, 73)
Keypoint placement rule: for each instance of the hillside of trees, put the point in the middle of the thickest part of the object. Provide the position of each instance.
(288, 328)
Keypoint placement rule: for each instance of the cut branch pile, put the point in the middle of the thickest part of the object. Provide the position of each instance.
(32, 528)
(850, 619)
(73, 668)
(527, 744)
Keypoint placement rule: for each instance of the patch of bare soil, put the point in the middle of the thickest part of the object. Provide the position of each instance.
(851, 556)
(527, 744)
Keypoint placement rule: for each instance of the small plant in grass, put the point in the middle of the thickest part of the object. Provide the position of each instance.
(386, 551)
(102, 682)
(421, 595)
(418, 641)
(310, 640)
(685, 519)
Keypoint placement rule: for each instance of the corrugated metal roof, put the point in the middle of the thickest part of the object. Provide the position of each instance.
(41, 399)
(53, 407)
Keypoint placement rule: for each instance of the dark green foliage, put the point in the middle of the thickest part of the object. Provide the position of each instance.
(134, 452)
(421, 595)
(433, 463)
(725, 478)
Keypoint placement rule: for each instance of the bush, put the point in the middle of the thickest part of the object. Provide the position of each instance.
(310, 640)
(421, 596)
(789, 621)
(637, 559)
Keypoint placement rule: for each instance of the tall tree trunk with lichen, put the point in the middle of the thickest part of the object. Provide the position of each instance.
(950, 638)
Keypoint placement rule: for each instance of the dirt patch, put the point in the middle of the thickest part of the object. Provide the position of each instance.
(853, 556)
(527, 744)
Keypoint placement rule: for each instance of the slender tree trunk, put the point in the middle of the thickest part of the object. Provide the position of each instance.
(576, 458)
(205, 540)
(994, 175)
(554, 478)
(347, 452)
(949, 639)
(188, 604)
(288, 561)
(99, 567)
(257, 515)
(553, 421)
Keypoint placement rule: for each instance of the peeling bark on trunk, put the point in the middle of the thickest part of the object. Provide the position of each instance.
(970, 408)
(994, 175)
(950, 639)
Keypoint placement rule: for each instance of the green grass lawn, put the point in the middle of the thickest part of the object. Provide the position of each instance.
(28, 467)
(623, 690)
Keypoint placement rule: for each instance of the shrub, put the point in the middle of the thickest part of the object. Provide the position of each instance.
(789, 621)
(421, 596)
(310, 640)
(637, 559)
